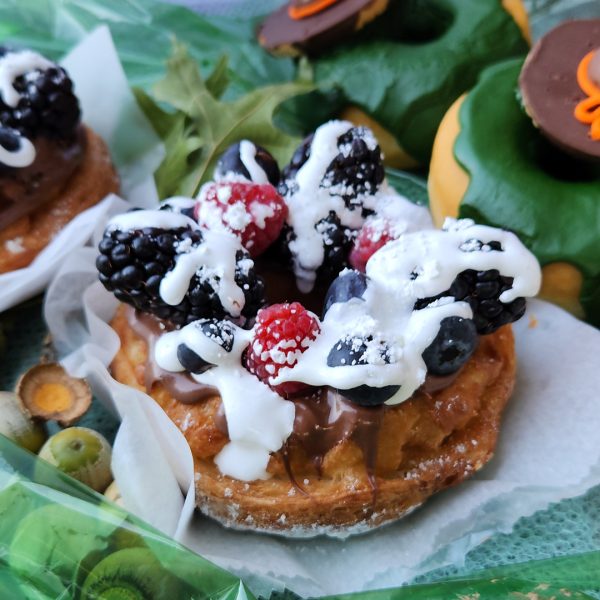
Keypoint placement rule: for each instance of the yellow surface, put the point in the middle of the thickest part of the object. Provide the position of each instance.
(561, 284)
(448, 182)
(517, 11)
(53, 397)
(394, 155)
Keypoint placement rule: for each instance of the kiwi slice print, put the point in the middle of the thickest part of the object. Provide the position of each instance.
(130, 574)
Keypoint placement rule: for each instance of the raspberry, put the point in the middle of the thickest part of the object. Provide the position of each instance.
(374, 234)
(255, 213)
(47, 105)
(282, 332)
(132, 265)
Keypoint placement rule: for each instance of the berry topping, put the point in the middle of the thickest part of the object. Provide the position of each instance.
(482, 290)
(209, 342)
(348, 285)
(191, 361)
(452, 347)
(352, 351)
(255, 213)
(374, 234)
(357, 169)
(46, 107)
(134, 263)
(249, 161)
(282, 332)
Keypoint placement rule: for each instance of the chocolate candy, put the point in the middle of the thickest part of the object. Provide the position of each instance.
(550, 88)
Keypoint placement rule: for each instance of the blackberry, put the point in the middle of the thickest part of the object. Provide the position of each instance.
(231, 162)
(352, 284)
(47, 107)
(337, 243)
(132, 265)
(482, 290)
(351, 351)
(357, 169)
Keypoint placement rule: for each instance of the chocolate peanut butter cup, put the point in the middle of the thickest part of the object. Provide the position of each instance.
(560, 88)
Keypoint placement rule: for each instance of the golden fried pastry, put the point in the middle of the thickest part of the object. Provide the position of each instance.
(93, 179)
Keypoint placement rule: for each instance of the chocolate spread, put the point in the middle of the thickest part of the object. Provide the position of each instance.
(23, 190)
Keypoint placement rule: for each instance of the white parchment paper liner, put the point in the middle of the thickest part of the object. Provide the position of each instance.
(110, 109)
(549, 449)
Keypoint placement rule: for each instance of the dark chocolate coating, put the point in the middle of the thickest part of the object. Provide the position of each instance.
(312, 34)
(550, 90)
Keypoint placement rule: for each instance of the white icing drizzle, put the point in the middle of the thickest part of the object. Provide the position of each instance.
(23, 156)
(12, 66)
(258, 420)
(309, 202)
(386, 311)
(248, 158)
(216, 255)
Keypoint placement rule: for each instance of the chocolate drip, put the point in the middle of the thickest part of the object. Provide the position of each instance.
(182, 386)
(325, 419)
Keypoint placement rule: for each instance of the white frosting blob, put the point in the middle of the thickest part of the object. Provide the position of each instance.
(258, 419)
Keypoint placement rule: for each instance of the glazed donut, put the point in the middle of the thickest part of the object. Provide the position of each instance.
(435, 50)
(487, 151)
(303, 424)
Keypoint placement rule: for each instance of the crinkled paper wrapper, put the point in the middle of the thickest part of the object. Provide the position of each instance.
(110, 109)
(549, 449)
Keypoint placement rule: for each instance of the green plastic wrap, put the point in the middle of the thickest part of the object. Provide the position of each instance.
(59, 539)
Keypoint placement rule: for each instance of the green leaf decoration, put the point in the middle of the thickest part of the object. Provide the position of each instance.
(202, 126)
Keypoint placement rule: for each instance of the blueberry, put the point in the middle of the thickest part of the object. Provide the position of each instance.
(351, 284)
(351, 351)
(452, 347)
(220, 332)
(231, 162)
(190, 361)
